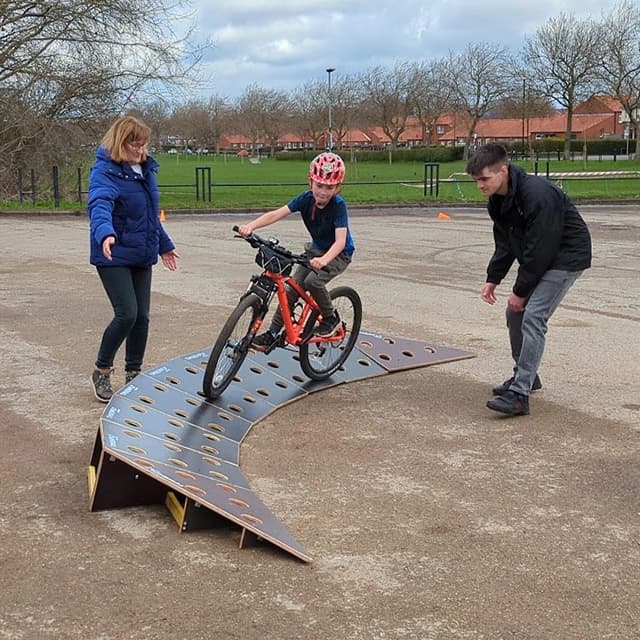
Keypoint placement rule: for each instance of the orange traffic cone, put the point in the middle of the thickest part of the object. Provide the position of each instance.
(443, 216)
(162, 216)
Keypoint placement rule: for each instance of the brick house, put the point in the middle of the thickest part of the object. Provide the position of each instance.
(598, 117)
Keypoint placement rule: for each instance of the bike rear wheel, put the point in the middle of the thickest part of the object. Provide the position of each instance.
(231, 347)
(319, 360)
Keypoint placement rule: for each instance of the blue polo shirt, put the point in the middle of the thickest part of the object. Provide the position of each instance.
(322, 223)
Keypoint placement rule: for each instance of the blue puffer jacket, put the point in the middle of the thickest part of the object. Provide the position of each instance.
(125, 204)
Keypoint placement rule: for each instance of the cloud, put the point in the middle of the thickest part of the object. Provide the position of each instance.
(285, 43)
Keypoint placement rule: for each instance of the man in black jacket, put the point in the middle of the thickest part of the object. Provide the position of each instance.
(535, 223)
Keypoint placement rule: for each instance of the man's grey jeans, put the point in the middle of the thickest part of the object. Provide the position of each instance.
(528, 328)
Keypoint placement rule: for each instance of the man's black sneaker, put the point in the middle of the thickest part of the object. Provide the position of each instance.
(130, 375)
(511, 403)
(328, 326)
(504, 387)
(101, 385)
(263, 341)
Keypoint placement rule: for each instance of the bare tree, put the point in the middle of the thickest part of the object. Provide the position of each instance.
(619, 67)
(308, 106)
(432, 94)
(523, 102)
(65, 63)
(481, 76)
(220, 115)
(156, 113)
(263, 115)
(190, 122)
(388, 99)
(561, 62)
(200, 123)
(131, 42)
(344, 106)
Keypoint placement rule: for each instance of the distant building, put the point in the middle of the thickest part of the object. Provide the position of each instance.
(598, 117)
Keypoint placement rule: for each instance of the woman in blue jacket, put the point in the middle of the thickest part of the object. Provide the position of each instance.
(126, 239)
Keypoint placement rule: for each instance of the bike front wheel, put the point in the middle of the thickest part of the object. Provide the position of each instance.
(319, 360)
(231, 347)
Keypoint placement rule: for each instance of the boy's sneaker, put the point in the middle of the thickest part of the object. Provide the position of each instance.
(504, 387)
(511, 403)
(130, 375)
(328, 326)
(263, 341)
(101, 384)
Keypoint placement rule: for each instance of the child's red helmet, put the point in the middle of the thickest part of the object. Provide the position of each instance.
(327, 168)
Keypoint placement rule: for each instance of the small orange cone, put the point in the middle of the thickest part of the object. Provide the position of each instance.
(162, 216)
(443, 216)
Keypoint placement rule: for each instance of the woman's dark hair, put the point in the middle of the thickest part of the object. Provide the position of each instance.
(488, 155)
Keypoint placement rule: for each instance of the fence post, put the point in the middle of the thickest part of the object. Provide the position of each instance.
(79, 185)
(56, 188)
(432, 167)
(20, 187)
(33, 187)
(203, 183)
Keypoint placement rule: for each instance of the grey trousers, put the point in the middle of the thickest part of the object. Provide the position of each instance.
(528, 328)
(315, 282)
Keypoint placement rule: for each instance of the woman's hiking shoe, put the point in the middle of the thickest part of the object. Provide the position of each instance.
(263, 341)
(101, 385)
(504, 387)
(510, 403)
(328, 326)
(130, 375)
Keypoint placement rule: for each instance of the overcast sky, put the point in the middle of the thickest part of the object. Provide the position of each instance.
(282, 44)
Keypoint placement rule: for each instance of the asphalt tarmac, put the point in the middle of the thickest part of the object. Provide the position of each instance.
(427, 515)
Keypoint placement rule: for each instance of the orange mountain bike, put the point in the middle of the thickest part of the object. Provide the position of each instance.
(320, 357)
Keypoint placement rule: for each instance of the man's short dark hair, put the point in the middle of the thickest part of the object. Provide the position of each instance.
(488, 155)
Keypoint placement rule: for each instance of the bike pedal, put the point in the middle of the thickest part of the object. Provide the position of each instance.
(278, 342)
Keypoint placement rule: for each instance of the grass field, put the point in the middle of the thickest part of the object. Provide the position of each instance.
(239, 183)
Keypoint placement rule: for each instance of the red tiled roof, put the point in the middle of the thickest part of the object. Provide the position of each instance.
(234, 140)
(293, 138)
(411, 133)
(600, 104)
(595, 117)
(512, 128)
(356, 136)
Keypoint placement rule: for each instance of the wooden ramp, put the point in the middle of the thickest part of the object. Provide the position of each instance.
(161, 441)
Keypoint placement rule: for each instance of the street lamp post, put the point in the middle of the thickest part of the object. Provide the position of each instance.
(524, 111)
(330, 70)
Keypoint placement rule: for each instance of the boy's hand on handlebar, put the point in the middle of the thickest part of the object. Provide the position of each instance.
(317, 263)
(244, 230)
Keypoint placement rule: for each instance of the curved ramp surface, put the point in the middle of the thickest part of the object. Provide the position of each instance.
(160, 440)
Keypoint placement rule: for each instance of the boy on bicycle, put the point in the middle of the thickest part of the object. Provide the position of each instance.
(324, 214)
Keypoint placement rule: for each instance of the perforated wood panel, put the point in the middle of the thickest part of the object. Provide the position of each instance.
(160, 440)
(397, 354)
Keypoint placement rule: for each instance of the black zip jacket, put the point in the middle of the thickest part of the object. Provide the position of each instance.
(536, 224)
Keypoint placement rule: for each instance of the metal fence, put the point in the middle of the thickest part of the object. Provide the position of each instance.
(36, 189)
(39, 190)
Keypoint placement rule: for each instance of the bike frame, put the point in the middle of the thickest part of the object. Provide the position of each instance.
(293, 328)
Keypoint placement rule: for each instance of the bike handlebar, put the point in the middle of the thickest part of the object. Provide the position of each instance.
(256, 241)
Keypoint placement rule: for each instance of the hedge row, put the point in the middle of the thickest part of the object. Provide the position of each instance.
(547, 146)
(415, 154)
(598, 146)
